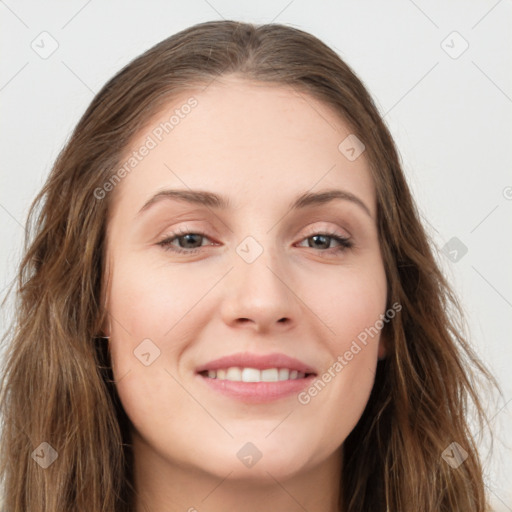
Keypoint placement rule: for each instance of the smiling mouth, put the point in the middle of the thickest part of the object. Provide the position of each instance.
(238, 374)
(256, 378)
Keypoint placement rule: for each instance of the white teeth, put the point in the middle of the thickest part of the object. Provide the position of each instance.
(249, 375)
(237, 374)
(270, 375)
(284, 374)
(234, 373)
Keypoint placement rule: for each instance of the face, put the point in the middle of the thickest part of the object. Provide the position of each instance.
(238, 315)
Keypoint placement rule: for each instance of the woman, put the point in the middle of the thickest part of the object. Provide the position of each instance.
(305, 355)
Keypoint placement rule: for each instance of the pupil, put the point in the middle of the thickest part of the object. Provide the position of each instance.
(189, 239)
(316, 237)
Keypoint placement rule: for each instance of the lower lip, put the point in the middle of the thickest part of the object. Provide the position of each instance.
(258, 392)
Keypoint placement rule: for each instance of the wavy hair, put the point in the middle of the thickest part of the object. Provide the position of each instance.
(57, 385)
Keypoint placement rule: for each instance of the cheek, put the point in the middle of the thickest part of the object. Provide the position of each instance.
(148, 307)
(349, 302)
(147, 301)
(145, 306)
(352, 305)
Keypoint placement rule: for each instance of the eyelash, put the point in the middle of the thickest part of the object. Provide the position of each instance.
(344, 242)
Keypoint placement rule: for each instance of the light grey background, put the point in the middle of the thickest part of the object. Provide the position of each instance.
(449, 110)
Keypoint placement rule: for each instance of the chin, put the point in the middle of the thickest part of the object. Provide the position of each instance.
(258, 459)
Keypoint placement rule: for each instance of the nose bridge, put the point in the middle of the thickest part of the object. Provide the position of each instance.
(257, 289)
(259, 266)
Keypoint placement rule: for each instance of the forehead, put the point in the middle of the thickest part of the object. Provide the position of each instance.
(247, 140)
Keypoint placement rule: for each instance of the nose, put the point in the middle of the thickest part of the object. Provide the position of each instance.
(260, 296)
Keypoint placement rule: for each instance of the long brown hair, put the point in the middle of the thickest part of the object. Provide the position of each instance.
(57, 386)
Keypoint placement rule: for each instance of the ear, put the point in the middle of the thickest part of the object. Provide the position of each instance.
(382, 351)
(106, 327)
(104, 331)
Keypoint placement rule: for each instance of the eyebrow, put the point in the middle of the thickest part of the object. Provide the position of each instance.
(212, 200)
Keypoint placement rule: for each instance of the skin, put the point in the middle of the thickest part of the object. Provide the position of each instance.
(261, 146)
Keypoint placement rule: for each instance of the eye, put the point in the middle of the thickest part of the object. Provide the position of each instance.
(323, 240)
(188, 242)
(184, 241)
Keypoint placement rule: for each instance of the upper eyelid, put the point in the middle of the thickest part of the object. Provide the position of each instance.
(203, 231)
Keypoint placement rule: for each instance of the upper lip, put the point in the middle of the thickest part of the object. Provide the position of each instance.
(260, 362)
